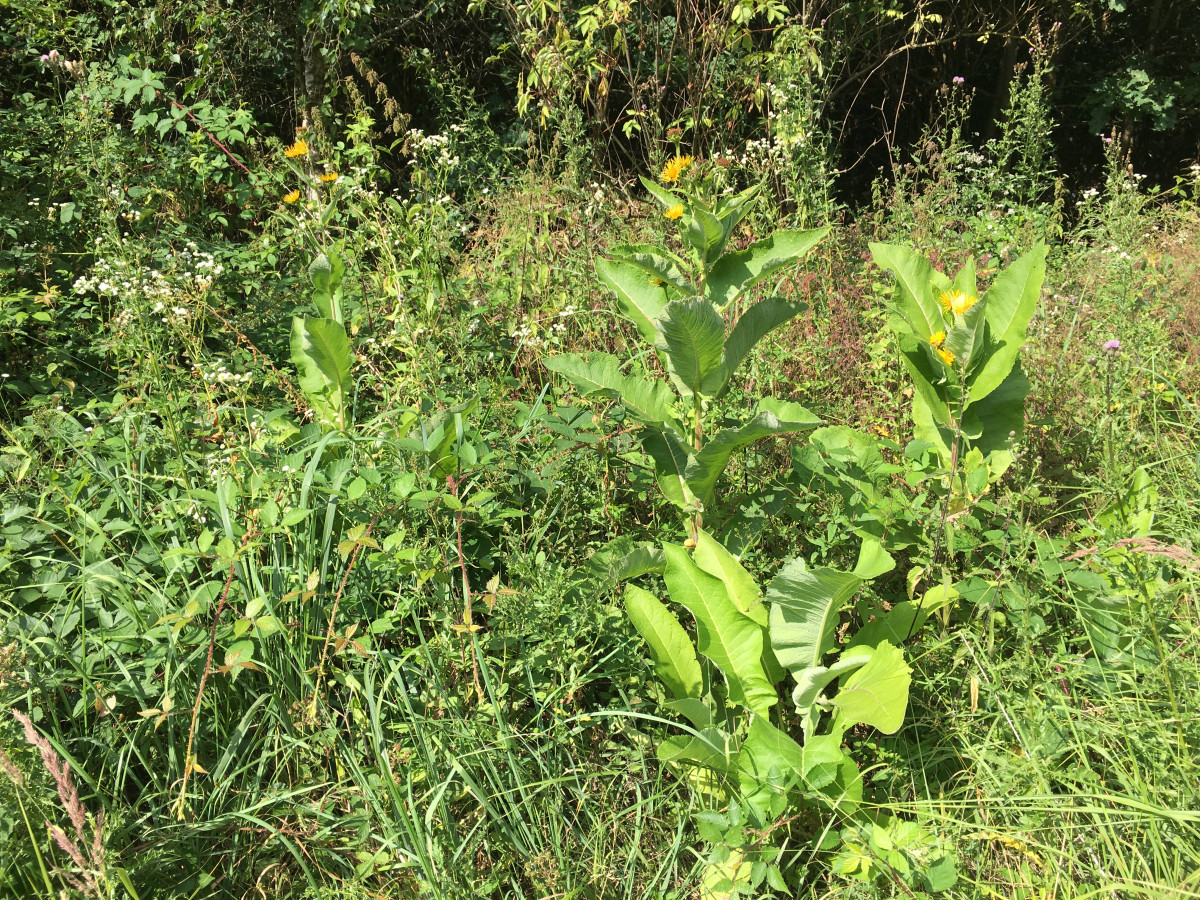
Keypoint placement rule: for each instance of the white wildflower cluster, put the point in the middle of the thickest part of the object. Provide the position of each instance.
(526, 336)
(435, 149)
(164, 293)
(596, 200)
(217, 374)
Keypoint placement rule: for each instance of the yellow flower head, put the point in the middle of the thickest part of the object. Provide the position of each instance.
(937, 339)
(946, 300)
(675, 167)
(946, 355)
(674, 212)
(329, 176)
(962, 302)
(291, 197)
(300, 148)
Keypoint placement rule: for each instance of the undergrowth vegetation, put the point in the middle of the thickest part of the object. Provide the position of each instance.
(431, 502)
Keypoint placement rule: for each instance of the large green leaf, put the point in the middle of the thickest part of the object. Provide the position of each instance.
(692, 336)
(804, 608)
(1011, 301)
(622, 559)
(812, 681)
(707, 235)
(877, 694)
(724, 634)
(735, 273)
(757, 321)
(1000, 414)
(640, 300)
(671, 457)
(914, 276)
(600, 373)
(671, 649)
(656, 264)
(660, 193)
(714, 559)
(774, 417)
(321, 354)
(769, 760)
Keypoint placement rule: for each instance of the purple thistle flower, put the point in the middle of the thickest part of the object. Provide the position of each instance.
(958, 79)
(1112, 346)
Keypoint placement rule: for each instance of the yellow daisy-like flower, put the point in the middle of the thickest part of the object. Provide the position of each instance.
(300, 148)
(937, 339)
(291, 197)
(946, 299)
(675, 167)
(674, 212)
(328, 177)
(961, 302)
(946, 355)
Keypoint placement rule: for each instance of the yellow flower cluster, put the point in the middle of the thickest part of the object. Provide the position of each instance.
(674, 212)
(936, 340)
(675, 167)
(956, 301)
(328, 177)
(300, 148)
(291, 197)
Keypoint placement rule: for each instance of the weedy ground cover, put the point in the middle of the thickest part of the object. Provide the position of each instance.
(415, 545)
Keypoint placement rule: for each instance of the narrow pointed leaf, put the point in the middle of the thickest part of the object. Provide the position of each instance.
(756, 322)
(638, 299)
(710, 462)
(670, 647)
(724, 634)
(736, 273)
(655, 264)
(1011, 301)
(660, 193)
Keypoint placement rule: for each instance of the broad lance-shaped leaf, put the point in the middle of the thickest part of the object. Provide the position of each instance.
(1011, 301)
(671, 649)
(811, 682)
(321, 354)
(660, 193)
(671, 457)
(707, 235)
(642, 301)
(600, 373)
(773, 417)
(1000, 414)
(714, 559)
(914, 275)
(805, 604)
(656, 264)
(754, 323)
(735, 273)
(692, 335)
(724, 634)
(877, 694)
